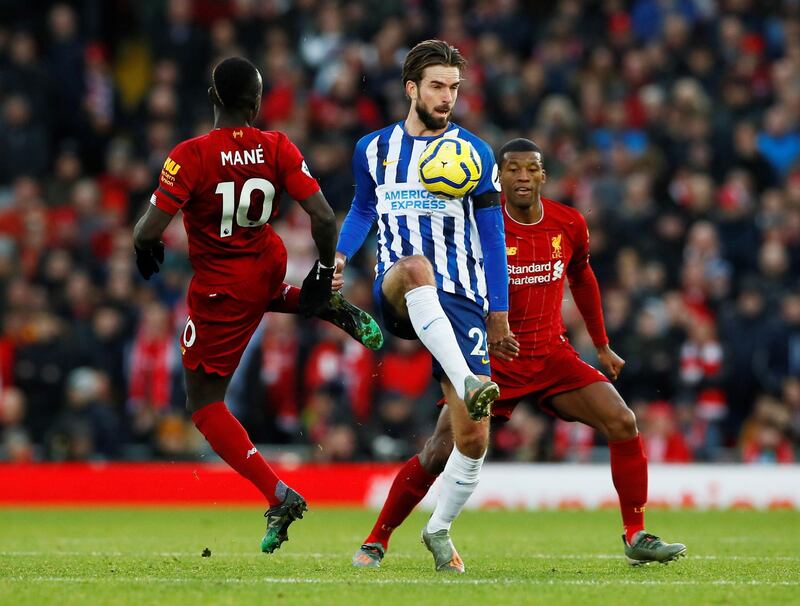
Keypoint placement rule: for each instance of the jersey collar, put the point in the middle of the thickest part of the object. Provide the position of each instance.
(450, 126)
(541, 218)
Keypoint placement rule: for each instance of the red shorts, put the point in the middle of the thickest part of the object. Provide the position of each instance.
(222, 319)
(541, 378)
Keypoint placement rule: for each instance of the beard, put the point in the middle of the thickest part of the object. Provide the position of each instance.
(430, 121)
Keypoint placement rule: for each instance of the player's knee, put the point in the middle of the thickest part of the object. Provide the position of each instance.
(621, 425)
(417, 271)
(436, 452)
(473, 442)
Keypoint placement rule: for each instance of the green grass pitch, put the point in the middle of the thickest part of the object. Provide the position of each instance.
(118, 556)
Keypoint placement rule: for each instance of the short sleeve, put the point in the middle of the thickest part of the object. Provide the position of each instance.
(293, 171)
(175, 181)
(490, 178)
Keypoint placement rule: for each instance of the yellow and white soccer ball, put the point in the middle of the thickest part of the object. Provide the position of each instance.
(449, 168)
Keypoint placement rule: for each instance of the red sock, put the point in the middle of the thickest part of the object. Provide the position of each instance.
(629, 473)
(409, 487)
(230, 441)
(288, 302)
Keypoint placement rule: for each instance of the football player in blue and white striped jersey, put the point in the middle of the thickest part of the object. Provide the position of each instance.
(441, 275)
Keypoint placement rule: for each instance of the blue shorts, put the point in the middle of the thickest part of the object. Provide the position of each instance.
(466, 317)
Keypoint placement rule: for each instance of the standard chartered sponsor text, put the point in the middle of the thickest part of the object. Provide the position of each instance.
(535, 273)
(533, 268)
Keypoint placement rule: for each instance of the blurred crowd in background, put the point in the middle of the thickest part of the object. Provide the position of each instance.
(673, 125)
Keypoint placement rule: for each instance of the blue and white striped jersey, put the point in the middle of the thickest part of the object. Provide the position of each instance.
(411, 221)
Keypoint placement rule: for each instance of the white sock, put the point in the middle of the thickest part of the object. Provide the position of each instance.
(457, 483)
(436, 333)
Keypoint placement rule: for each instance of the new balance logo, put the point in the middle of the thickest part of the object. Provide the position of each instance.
(251, 452)
(171, 166)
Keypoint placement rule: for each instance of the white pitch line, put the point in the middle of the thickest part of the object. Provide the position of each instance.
(401, 555)
(361, 580)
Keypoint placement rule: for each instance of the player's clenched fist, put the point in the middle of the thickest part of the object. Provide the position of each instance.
(149, 260)
(316, 291)
(610, 362)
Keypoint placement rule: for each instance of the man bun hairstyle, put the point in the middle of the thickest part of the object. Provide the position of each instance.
(517, 145)
(236, 83)
(427, 53)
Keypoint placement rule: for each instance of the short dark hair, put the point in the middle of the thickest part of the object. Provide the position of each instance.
(517, 145)
(427, 53)
(236, 82)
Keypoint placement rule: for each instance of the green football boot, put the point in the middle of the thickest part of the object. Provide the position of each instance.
(279, 517)
(369, 555)
(354, 321)
(445, 556)
(647, 548)
(478, 397)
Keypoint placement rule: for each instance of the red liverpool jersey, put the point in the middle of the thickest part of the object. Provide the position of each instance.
(540, 257)
(227, 183)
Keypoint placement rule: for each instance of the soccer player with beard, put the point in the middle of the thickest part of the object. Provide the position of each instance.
(226, 183)
(441, 267)
(546, 243)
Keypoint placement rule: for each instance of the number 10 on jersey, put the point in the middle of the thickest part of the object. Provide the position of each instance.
(227, 190)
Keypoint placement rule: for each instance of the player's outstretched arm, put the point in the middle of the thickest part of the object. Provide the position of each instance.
(147, 240)
(316, 291)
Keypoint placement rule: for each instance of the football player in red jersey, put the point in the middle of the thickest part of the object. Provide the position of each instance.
(546, 243)
(225, 183)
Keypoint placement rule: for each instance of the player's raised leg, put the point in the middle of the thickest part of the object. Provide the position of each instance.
(409, 487)
(600, 406)
(340, 312)
(205, 400)
(410, 288)
(430, 283)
